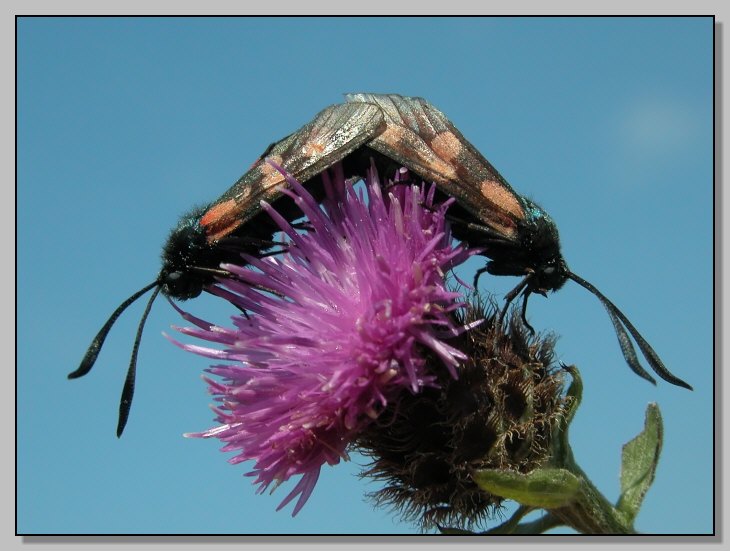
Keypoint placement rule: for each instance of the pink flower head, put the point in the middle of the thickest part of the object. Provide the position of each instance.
(334, 329)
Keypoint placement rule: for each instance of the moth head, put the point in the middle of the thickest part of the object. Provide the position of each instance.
(550, 275)
(185, 252)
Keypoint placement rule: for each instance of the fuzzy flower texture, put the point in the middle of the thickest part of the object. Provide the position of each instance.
(334, 330)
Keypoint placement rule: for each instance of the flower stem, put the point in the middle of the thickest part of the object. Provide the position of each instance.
(591, 512)
(538, 526)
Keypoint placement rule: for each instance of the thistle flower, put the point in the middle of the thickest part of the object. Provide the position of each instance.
(335, 331)
(499, 414)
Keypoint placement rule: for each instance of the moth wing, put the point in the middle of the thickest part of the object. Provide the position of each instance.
(334, 133)
(420, 137)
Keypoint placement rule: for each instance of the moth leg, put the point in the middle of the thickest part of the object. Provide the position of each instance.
(303, 226)
(240, 242)
(258, 286)
(525, 295)
(473, 226)
(477, 275)
(285, 248)
(509, 297)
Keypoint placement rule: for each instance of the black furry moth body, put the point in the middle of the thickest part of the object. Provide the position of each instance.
(517, 236)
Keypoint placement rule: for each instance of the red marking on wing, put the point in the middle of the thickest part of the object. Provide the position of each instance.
(221, 219)
(497, 194)
(218, 212)
(219, 231)
(447, 146)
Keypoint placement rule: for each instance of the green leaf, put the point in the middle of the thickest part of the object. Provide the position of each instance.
(544, 488)
(639, 460)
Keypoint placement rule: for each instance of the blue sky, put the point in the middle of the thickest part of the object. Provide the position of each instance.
(124, 124)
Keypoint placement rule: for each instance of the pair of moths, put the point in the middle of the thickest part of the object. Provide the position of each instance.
(517, 236)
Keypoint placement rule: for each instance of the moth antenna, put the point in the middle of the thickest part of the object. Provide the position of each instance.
(95, 347)
(651, 356)
(620, 321)
(627, 348)
(128, 391)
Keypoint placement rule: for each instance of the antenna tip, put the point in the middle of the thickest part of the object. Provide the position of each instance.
(77, 373)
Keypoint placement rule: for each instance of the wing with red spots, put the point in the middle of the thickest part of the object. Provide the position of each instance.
(421, 138)
(333, 134)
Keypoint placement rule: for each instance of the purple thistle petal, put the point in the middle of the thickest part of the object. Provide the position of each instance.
(340, 336)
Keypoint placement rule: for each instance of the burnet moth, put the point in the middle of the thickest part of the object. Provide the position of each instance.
(235, 223)
(518, 236)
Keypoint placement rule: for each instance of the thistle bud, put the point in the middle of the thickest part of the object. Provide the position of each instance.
(499, 414)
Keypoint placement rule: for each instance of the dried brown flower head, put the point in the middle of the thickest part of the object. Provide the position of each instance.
(499, 414)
